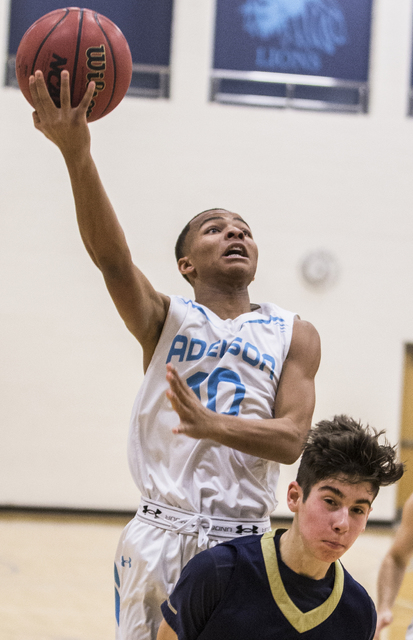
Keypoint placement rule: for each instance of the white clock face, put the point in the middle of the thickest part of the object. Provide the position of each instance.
(319, 268)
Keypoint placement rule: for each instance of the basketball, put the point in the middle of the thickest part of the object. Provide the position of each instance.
(89, 46)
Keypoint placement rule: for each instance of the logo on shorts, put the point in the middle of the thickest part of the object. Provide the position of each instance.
(240, 529)
(126, 562)
(151, 512)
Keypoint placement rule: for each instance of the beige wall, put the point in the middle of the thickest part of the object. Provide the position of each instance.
(69, 369)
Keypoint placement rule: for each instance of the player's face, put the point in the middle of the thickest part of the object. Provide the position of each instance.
(332, 517)
(220, 243)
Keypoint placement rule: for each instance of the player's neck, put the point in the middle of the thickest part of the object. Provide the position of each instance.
(296, 557)
(226, 304)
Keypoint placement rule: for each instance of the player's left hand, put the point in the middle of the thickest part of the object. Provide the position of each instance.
(66, 126)
(196, 421)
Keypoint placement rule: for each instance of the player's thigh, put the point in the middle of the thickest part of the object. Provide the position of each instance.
(151, 559)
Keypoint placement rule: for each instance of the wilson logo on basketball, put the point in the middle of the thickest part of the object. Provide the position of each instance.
(96, 62)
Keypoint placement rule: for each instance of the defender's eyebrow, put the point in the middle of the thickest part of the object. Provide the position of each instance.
(340, 494)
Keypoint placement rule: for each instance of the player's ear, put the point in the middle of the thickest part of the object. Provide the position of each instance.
(294, 496)
(185, 266)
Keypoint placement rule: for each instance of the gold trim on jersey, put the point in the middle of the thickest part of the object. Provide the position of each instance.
(300, 621)
(172, 608)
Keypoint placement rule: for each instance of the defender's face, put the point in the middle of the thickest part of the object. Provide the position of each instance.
(220, 243)
(332, 517)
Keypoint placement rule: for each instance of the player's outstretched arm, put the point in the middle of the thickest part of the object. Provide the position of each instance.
(141, 307)
(393, 568)
(279, 438)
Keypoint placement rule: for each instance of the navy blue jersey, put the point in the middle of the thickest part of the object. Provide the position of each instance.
(241, 590)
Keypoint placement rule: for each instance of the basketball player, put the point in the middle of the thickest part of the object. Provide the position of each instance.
(228, 392)
(289, 584)
(392, 570)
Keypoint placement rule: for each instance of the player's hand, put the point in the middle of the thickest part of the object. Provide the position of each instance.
(65, 126)
(196, 420)
(384, 618)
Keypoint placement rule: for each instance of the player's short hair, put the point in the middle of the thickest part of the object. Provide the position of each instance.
(342, 448)
(180, 243)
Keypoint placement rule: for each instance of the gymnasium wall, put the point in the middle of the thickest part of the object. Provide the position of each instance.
(305, 181)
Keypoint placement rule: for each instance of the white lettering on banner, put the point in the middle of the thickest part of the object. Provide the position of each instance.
(287, 60)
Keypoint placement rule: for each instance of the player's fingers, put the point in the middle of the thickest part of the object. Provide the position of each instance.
(34, 92)
(176, 381)
(41, 92)
(65, 90)
(177, 386)
(183, 399)
(42, 101)
(176, 406)
(184, 395)
(170, 395)
(170, 369)
(173, 378)
(36, 119)
(175, 400)
(178, 429)
(87, 98)
(37, 99)
(182, 408)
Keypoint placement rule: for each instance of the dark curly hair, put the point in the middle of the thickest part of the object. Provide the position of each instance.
(342, 447)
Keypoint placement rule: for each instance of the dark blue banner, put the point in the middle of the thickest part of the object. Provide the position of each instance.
(328, 38)
(146, 24)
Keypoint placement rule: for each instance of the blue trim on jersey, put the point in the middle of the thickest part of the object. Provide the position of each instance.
(271, 319)
(117, 595)
(196, 306)
(117, 579)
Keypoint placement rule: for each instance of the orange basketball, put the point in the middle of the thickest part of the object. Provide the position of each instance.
(89, 46)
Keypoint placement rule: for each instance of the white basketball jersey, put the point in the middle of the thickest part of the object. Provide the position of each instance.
(234, 367)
